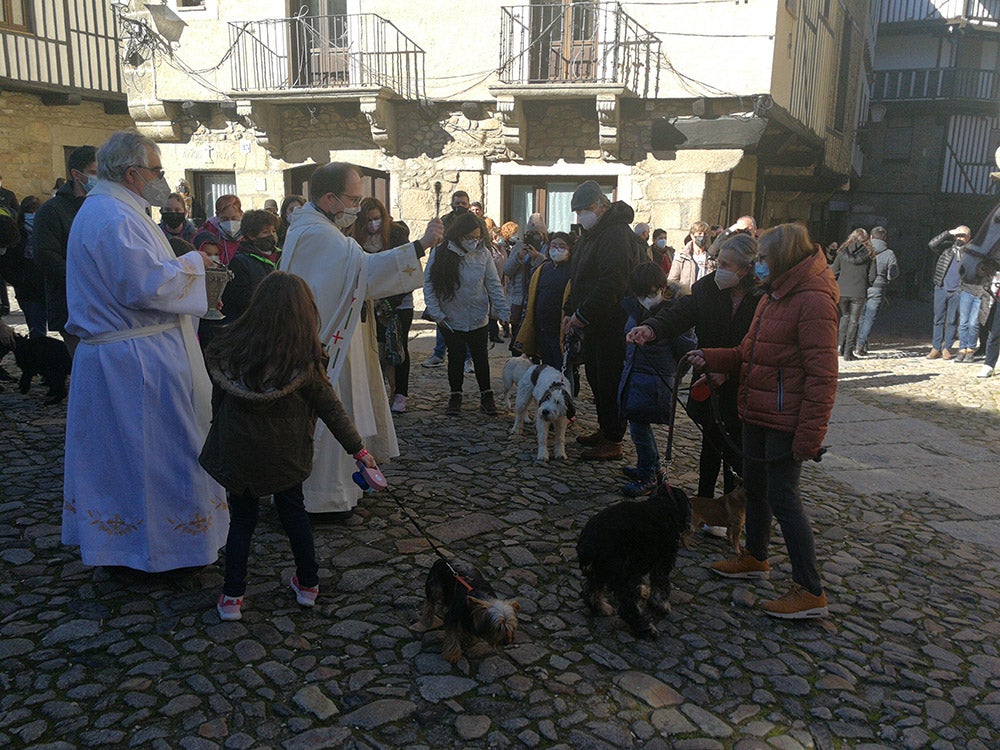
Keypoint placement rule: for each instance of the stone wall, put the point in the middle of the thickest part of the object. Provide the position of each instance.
(32, 151)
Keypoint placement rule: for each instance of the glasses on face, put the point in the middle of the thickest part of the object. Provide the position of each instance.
(158, 171)
(350, 200)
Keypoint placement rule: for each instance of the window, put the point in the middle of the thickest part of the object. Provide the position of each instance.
(209, 187)
(373, 182)
(182, 4)
(550, 198)
(14, 14)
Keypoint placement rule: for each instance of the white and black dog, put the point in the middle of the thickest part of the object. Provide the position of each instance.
(547, 387)
(513, 369)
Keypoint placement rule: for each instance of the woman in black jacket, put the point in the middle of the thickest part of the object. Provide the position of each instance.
(854, 268)
(720, 307)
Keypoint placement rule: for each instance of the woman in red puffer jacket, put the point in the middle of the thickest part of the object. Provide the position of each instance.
(787, 365)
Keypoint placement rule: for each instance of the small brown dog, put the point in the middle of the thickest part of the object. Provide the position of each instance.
(728, 510)
(470, 608)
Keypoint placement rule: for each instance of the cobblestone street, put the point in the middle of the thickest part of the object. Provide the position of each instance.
(904, 507)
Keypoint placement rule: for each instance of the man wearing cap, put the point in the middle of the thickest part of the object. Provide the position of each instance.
(947, 246)
(271, 206)
(599, 271)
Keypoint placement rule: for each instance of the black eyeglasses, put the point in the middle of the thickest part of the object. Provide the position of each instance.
(158, 171)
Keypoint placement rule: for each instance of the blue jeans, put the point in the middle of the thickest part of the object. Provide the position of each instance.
(772, 489)
(993, 340)
(945, 318)
(968, 320)
(243, 511)
(647, 457)
(872, 305)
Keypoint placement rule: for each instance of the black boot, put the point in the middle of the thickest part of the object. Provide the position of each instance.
(454, 405)
(486, 404)
(849, 355)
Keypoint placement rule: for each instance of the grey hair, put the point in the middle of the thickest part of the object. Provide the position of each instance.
(743, 246)
(124, 149)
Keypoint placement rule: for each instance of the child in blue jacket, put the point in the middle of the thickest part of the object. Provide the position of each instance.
(644, 394)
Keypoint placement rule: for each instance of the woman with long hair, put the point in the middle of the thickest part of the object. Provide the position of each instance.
(854, 269)
(375, 231)
(460, 283)
(288, 207)
(787, 369)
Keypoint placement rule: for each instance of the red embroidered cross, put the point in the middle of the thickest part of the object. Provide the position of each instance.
(337, 338)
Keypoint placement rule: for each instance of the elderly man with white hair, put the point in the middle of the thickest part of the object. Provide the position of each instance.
(140, 398)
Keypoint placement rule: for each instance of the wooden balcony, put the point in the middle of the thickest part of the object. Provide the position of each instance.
(935, 84)
(979, 13)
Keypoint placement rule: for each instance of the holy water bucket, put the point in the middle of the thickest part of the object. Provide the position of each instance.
(215, 283)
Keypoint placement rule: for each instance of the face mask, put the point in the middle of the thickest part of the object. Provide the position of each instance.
(374, 225)
(726, 279)
(661, 243)
(345, 218)
(699, 240)
(230, 227)
(92, 181)
(459, 210)
(156, 191)
(29, 220)
(558, 254)
(650, 302)
(470, 245)
(266, 244)
(172, 219)
(586, 219)
(761, 271)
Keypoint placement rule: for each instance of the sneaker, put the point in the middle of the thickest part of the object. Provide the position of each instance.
(861, 351)
(641, 487)
(229, 607)
(632, 472)
(935, 354)
(797, 604)
(946, 354)
(744, 566)
(985, 372)
(719, 532)
(398, 404)
(304, 595)
(433, 361)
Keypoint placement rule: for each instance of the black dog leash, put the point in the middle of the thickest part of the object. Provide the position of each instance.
(455, 574)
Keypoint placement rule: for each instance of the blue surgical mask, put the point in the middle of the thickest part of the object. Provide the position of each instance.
(90, 183)
(29, 220)
(761, 270)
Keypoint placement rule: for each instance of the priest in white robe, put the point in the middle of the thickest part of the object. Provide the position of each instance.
(343, 277)
(140, 398)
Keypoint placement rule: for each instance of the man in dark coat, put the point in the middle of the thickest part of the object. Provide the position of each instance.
(599, 271)
(52, 224)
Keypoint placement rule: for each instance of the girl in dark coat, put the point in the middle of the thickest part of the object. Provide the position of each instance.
(854, 268)
(270, 370)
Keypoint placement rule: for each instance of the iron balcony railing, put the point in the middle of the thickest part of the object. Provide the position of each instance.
(325, 52)
(935, 84)
(578, 43)
(980, 12)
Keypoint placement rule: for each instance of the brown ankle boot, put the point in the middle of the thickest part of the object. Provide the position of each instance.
(592, 439)
(606, 450)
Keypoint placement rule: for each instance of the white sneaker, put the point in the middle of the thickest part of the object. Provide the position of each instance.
(398, 404)
(432, 361)
(985, 372)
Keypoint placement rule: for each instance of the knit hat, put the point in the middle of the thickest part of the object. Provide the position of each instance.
(586, 195)
(202, 237)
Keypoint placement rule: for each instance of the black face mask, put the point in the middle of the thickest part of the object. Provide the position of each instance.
(172, 219)
(459, 210)
(266, 245)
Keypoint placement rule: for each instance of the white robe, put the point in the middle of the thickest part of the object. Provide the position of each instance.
(139, 405)
(343, 276)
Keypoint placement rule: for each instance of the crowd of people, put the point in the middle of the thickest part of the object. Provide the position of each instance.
(179, 424)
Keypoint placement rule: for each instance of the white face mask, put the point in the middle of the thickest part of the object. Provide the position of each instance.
(559, 254)
(650, 302)
(346, 217)
(374, 225)
(156, 192)
(726, 279)
(586, 219)
(470, 245)
(230, 227)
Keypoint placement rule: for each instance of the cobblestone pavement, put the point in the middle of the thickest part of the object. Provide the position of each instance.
(908, 658)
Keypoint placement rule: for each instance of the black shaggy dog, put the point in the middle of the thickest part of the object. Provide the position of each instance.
(626, 542)
(45, 356)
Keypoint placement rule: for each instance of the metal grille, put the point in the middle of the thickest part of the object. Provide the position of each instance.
(320, 52)
(935, 84)
(968, 159)
(986, 12)
(584, 42)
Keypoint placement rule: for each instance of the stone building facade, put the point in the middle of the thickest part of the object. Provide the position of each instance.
(60, 88)
(254, 95)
